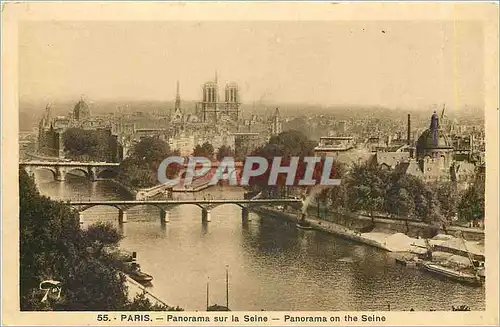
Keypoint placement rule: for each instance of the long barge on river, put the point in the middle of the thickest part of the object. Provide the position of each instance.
(456, 275)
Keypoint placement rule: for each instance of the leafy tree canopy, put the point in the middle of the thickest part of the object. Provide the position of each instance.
(205, 150)
(140, 168)
(224, 151)
(53, 247)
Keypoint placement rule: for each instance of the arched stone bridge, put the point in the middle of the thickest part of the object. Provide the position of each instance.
(166, 205)
(92, 170)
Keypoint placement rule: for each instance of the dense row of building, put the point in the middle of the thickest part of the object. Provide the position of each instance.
(432, 157)
(438, 153)
(218, 122)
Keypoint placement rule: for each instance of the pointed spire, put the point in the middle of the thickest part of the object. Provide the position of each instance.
(216, 79)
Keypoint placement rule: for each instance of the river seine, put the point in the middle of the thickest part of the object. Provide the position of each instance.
(272, 265)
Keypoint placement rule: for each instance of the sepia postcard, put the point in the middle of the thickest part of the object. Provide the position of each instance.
(249, 163)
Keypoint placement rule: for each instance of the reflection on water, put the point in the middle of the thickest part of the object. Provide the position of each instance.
(272, 265)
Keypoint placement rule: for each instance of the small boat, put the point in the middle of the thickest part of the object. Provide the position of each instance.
(134, 271)
(410, 262)
(303, 223)
(451, 273)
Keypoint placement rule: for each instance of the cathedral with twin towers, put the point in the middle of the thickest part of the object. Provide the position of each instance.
(212, 109)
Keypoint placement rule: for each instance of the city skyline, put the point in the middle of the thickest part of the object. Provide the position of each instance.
(405, 64)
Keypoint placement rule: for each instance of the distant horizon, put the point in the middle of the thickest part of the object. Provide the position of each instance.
(284, 107)
(410, 64)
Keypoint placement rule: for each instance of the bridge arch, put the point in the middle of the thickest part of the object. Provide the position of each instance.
(33, 169)
(216, 205)
(84, 208)
(71, 169)
(175, 205)
(106, 171)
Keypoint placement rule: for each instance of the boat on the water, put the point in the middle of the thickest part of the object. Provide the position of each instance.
(133, 269)
(452, 273)
(303, 223)
(410, 262)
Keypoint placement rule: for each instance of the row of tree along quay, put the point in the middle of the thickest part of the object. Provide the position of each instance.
(54, 250)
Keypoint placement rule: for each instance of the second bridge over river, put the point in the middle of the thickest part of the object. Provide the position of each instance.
(166, 205)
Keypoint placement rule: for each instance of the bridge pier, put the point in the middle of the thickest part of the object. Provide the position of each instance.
(92, 174)
(60, 174)
(80, 217)
(205, 215)
(244, 213)
(164, 216)
(122, 216)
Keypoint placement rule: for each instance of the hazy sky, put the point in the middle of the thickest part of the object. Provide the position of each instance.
(393, 64)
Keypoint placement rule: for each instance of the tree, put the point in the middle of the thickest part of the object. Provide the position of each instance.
(100, 235)
(399, 197)
(338, 196)
(151, 151)
(49, 235)
(78, 142)
(205, 150)
(224, 151)
(91, 285)
(284, 145)
(53, 247)
(448, 197)
(82, 144)
(140, 169)
(367, 188)
(471, 205)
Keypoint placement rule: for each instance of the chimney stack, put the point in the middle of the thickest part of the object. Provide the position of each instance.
(408, 137)
(471, 146)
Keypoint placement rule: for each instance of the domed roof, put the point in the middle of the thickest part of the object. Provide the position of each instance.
(430, 140)
(433, 137)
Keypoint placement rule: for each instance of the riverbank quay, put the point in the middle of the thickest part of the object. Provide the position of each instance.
(386, 239)
(143, 193)
(323, 225)
(409, 227)
(134, 289)
(196, 186)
